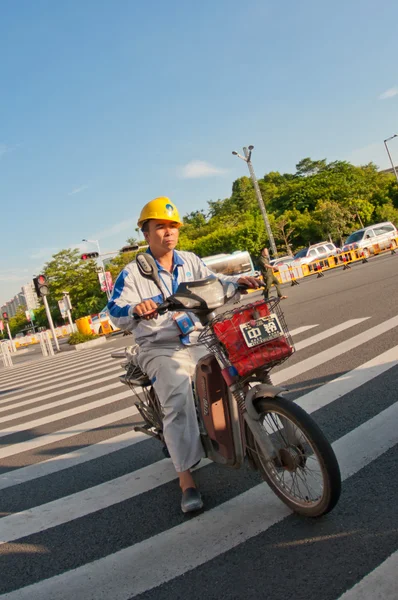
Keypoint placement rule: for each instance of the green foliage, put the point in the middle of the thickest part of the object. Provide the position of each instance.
(80, 338)
(19, 321)
(67, 272)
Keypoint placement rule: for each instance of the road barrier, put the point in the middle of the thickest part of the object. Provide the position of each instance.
(46, 344)
(287, 273)
(6, 353)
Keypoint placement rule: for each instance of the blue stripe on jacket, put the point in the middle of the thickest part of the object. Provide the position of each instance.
(114, 310)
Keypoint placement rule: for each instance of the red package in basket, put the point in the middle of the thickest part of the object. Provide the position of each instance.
(241, 356)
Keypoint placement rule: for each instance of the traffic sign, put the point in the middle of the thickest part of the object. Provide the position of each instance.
(63, 309)
(103, 283)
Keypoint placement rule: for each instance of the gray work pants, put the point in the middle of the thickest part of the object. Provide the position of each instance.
(171, 370)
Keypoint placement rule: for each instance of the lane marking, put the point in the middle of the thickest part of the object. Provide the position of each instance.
(173, 552)
(380, 584)
(334, 351)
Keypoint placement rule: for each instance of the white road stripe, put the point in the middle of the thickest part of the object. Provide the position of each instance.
(51, 363)
(68, 413)
(304, 344)
(380, 584)
(333, 352)
(324, 335)
(303, 329)
(78, 505)
(53, 373)
(308, 342)
(311, 402)
(125, 574)
(72, 398)
(68, 432)
(71, 459)
(59, 378)
(115, 491)
(279, 377)
(58, 386)
(350, 381)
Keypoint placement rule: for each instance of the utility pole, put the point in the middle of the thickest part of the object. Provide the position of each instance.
(108, 290)
(13, 349)
(50, 322)
(247, 158)
(389, 155)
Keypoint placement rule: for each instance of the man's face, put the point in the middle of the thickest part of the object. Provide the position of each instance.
(162, 236)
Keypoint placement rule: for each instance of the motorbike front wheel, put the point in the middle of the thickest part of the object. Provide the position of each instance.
(304, 473)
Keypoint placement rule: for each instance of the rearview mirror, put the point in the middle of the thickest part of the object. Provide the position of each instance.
(147, 267)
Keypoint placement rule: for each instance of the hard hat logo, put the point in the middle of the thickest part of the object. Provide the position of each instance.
(159, 208)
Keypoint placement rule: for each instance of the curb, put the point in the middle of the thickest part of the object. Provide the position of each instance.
(85, 345)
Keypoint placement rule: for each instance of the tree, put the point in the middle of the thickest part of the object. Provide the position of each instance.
(306, 167)
(131, 241)
(387, 212)
(19, 321)
(333, 220)
(67, 272)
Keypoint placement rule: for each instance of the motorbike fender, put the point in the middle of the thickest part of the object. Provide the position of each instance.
(260, 391)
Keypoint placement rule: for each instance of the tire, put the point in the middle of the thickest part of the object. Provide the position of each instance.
(292, 458)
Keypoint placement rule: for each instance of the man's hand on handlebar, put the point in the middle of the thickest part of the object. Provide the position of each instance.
(146, 310)
(250, 282)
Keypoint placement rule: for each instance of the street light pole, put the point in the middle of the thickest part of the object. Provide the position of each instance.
(247, 159)
(108, 291)
(389, 155)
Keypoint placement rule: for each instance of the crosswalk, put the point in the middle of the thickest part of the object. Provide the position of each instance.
(90, 509)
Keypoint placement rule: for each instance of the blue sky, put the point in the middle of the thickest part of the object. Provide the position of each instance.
(105, 105)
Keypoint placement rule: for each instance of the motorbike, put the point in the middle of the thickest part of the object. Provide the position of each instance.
(241, 415)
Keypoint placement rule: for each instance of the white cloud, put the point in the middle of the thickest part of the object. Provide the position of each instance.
(78, 190)
(199, 168)
(389, 93)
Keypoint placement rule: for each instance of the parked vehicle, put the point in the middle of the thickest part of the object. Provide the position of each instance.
(315, 252)
(382, 234)
(241, 414)
(281, 260)
(237, 263)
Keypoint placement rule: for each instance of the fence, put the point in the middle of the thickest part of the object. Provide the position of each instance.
(317, 267)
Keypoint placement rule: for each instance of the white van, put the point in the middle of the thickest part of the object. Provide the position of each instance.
(382, 234)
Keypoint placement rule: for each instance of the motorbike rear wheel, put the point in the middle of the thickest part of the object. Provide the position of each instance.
(305, 473)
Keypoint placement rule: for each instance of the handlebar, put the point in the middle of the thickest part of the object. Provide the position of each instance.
(165, 306)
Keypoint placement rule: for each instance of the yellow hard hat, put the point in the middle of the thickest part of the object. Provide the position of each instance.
(159, 208)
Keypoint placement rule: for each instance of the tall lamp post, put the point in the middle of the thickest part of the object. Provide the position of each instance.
(247, 158)
(108, 291)
(389, 155)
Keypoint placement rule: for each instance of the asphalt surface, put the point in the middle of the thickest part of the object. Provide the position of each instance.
(89, 509)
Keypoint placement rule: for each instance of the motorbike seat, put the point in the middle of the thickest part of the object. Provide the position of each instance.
(135, 376)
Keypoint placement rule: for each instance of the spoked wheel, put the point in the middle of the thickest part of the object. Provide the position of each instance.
(304, 473)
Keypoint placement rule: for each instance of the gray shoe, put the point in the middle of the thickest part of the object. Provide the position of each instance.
(191, 500)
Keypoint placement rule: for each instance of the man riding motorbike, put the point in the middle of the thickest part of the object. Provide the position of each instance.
(167, 350)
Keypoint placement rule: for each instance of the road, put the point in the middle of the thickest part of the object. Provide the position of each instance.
(90, 510)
